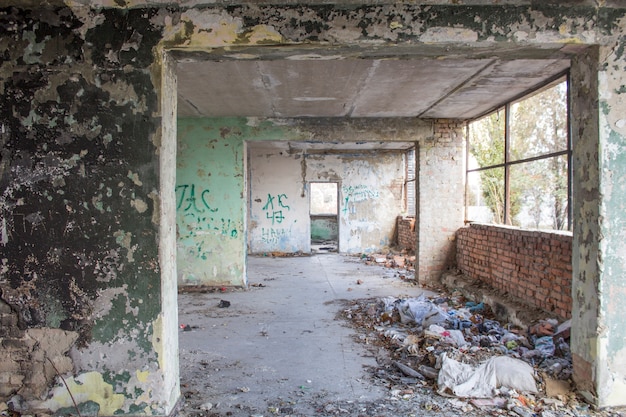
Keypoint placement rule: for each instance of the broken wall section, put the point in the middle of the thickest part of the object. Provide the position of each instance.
(406, 233)
(31, 358)
(530, 265)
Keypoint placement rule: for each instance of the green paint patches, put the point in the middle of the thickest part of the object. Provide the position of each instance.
(605, 107)
(609, 21)
(86, 387)
(134, 177)
(124, 239)
(55, 314)
(88, 408)
(324, 228)
(210, 210)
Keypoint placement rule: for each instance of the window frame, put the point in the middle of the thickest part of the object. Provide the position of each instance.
(508, 163)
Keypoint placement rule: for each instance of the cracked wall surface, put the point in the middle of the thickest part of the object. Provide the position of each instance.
(81, 188)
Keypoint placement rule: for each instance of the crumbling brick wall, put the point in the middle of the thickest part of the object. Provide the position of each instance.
(27, 356)
(535, 266)
(406, 233)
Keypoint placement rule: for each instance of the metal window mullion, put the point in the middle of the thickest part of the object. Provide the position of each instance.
(507, 144)
(570, 171)
(465, 191)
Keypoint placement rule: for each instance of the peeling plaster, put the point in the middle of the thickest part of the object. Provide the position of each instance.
(81, 118)
(89, 386)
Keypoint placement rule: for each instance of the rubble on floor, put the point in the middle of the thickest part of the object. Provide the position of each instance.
(455, 348)
(402, 261)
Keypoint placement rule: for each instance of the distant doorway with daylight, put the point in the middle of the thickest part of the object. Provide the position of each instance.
(324, 215)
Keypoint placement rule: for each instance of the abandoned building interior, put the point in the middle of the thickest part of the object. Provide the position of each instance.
(149, 145)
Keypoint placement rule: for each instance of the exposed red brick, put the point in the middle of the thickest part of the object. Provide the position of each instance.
(531, 265)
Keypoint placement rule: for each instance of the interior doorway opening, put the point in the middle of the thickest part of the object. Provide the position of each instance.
(324, 216)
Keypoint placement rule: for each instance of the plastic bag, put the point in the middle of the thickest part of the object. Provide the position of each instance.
(454, 336)
(466, 381)
(421, 311)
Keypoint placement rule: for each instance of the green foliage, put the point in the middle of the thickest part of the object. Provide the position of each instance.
(538, 189)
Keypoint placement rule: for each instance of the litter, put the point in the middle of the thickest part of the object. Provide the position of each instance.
(466, 381)
(224, 304)
(420, 311)
(408, 371)
(457, 347)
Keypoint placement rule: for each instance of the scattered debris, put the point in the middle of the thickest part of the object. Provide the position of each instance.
(224, 304)
(403, 261)
(456, 348)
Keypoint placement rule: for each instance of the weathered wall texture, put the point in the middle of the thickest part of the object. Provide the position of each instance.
(80, 135)
(406, 233)
(78, 208)
(370, 197)
(279, 202)
(439, 163)
(210, 204)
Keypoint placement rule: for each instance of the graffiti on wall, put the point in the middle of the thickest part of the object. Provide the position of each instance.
(274, 206)
(275, 235)
(353, 194)
(198, 214)
(276, 210)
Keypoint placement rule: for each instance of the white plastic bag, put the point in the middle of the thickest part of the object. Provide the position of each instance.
(421, 311)
(465, 381)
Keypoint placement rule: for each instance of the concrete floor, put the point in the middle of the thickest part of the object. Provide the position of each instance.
(278, 348)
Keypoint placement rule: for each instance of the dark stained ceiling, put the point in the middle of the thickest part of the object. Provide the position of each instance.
(312, 85)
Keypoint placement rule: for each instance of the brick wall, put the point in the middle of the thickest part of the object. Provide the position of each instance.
(25, 356)
(440, 173)
(535, 266)
(406, 233)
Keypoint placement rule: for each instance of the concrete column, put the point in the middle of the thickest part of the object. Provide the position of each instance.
(166, 326)
(599, 250)
(440, 173)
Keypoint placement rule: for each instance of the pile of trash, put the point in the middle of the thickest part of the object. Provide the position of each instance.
(456, 347)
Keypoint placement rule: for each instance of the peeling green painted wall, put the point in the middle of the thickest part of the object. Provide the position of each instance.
(78, 195)
(80, 132)
(324, 228)
(210, 203)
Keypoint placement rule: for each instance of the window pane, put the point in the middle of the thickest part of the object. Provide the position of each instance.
(539, 194)
(486, 141)
(485, 196)
(323, 198)
(539, 124)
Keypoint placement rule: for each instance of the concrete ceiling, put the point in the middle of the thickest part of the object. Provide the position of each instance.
(323, 86)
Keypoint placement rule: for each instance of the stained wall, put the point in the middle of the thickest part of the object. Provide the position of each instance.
(210, 203)
(370, 197)
(86, 261)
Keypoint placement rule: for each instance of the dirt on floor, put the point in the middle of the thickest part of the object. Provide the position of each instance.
(416, 341)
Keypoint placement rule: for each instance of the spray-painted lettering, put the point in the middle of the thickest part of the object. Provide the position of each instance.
(355, 194)
(274, 206)
(198, 217)
(274, 236)
(189, 200)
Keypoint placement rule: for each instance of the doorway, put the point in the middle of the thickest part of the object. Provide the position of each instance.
(324, 216)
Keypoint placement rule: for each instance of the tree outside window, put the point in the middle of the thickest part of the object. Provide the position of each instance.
(518, 163)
